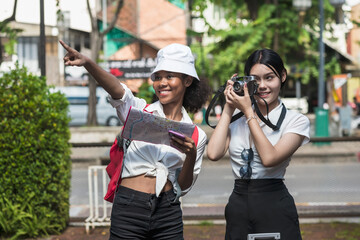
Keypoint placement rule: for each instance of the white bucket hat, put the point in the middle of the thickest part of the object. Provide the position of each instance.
(175, 58)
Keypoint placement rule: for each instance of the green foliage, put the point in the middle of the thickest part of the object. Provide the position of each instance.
(24, 220)
(11, 34)
(263, 24)
(146, 91)
(206, 223)
(34, 156)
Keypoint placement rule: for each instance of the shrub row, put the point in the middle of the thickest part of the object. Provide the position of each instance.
(35, 161)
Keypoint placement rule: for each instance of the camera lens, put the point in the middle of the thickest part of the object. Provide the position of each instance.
(237, 86)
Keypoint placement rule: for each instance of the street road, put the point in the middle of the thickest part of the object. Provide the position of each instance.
(321, 183)
(309, 182)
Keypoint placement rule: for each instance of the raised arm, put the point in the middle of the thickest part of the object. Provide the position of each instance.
(109, 82)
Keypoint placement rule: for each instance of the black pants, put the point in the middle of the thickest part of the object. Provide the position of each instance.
(261, 206)
(138, 215)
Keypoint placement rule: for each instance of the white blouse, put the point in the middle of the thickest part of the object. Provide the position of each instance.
(294, 122)
(156, 160)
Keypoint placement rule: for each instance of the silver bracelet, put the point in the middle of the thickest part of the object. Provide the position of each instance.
(252, 117)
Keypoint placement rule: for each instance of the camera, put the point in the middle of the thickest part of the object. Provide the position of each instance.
(239, 82)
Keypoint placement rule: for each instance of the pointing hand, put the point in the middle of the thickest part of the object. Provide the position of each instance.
(73, 57)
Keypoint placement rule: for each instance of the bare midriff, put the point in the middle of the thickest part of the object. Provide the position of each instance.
(144, 183)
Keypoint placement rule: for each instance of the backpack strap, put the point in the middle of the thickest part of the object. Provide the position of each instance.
(114, 168)
(145, 108)
(195, 135)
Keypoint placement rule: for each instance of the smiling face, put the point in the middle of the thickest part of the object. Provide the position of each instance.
(269, 85)
(170, 87)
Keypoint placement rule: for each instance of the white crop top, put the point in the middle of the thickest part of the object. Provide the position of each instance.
(157, 160)
(294, 122)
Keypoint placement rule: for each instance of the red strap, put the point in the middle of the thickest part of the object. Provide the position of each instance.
(114, 170)
(146, 107)
(195, 136)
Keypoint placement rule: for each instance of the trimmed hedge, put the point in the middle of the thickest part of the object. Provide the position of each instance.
(35, 161)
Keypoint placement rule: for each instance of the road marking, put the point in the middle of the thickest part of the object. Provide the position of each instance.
(298, 204)
(329, 204)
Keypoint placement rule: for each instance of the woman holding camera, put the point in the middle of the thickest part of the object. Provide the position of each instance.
(260, 201)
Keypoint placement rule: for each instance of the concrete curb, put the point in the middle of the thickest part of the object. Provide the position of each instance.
(305, 210)
(203, 212)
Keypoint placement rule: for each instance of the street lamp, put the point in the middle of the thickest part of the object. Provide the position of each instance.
(337, 3)
(321, 115)
(339, 14)
(301, 6)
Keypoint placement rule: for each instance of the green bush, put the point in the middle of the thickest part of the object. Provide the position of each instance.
(35, 161)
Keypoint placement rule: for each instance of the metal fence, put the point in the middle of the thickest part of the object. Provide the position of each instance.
(97, 217)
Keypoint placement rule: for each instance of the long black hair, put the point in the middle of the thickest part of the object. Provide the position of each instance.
(270, 59)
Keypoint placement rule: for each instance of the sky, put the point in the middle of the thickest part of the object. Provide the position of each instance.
(352, 2)
(29, 11)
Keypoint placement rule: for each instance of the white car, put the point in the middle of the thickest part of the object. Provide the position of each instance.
(78, 108)
(298, 104)
(355, 123)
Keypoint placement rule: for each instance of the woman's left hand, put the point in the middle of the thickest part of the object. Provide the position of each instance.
(185, 145)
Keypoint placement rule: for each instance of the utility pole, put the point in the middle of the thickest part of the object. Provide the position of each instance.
(42, 56)
(104, 10)
(321, 88)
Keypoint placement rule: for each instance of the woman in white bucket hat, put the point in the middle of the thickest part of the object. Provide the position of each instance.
(146, 204)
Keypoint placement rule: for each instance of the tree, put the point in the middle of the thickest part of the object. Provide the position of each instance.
(96, 41)
(254, 24)
(10, 33)
(35, 161)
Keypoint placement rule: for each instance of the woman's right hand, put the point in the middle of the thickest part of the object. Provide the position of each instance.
(229, 106)
(108, 81)
(233, 100)
(73, 57)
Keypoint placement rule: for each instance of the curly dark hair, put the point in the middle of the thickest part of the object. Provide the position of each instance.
(196, 95)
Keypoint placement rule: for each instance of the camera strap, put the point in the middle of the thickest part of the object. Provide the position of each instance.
(267, 120)
(212, 102)
(240, 114)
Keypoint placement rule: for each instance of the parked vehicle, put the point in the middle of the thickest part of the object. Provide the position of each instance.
(78, 108)
(299, 104)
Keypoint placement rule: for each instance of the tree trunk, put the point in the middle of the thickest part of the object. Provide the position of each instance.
(96, 41)
(276, 33)
(253, 7)
(3, 27)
